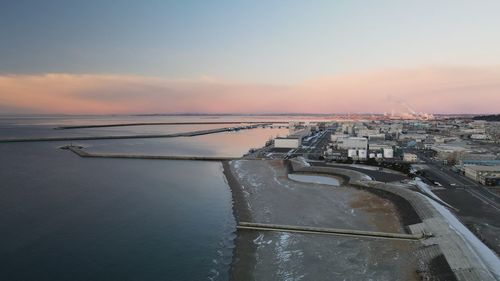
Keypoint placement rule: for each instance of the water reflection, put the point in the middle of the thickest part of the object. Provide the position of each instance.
(328, 180)
(220, 144)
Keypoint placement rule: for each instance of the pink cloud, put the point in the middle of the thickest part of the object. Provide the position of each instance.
(432, 89)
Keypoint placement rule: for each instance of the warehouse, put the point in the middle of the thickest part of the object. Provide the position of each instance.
(289, 142)
(352, 143)
(487, 175)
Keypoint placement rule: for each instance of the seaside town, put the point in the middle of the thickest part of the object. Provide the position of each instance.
(452, 161)
(419, 194)
(250, 140)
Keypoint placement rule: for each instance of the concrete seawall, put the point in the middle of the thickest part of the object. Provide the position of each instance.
(460, 258)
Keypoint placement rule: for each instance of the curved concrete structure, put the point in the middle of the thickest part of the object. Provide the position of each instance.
(464, 260)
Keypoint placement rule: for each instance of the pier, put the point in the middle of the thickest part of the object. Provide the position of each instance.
(140, 136)
(328, 231)
(80, 152)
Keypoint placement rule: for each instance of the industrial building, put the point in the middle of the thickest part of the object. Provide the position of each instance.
(289, 142)
(352, 143)
(444, 152)
(487, 175)
(336, 137)
(294, 139)
(417, 136)
(300, 133)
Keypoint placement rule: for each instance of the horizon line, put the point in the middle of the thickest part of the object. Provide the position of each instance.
(228, 114)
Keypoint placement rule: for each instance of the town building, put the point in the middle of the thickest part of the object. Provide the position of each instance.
(289, 142)
(410, 157)
(352, 143)
(487, 175)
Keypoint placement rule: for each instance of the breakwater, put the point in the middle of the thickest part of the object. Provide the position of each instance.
(165, 124)
(80, 152)
(328, 231)
(139, 136)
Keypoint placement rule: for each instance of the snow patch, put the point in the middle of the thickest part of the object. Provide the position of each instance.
(260, 240)
(366, 178)
(314, 179)
(485, 254)
(303, 161)
(365, 167)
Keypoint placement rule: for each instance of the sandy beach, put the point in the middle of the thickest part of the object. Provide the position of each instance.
(262, 192)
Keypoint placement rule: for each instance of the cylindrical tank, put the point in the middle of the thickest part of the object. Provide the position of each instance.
(379, 155)
(351, 153)
(372, 155)
(362, 153)
(388, 153)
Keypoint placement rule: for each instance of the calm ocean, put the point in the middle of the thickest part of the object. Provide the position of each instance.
(69, 218)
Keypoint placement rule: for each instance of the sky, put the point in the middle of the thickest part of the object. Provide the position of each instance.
(121, 57)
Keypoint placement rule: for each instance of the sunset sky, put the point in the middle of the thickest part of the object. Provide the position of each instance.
(103, 56)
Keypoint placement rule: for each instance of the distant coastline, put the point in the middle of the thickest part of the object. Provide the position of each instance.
(491, 118)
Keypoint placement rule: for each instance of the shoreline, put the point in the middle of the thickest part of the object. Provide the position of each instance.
(431, 260)
(240, 210)
(242, 252)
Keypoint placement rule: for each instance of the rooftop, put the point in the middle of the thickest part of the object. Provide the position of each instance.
(482, 168)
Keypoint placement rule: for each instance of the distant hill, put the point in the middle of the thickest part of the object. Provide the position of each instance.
(494, 117)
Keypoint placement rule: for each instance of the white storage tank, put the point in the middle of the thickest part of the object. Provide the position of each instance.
(362, 154)
(379, 155)
(351, 153)
(372, 155)
(388, 153)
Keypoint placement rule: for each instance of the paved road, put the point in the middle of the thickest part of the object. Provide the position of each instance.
(313, 148)
(374, 174)
(450, 179)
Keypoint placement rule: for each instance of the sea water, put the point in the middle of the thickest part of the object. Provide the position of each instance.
(69, 218)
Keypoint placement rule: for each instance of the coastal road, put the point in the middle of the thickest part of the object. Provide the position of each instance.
(478, 207)
(313, 147)
(374, 174)
(450, 179)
